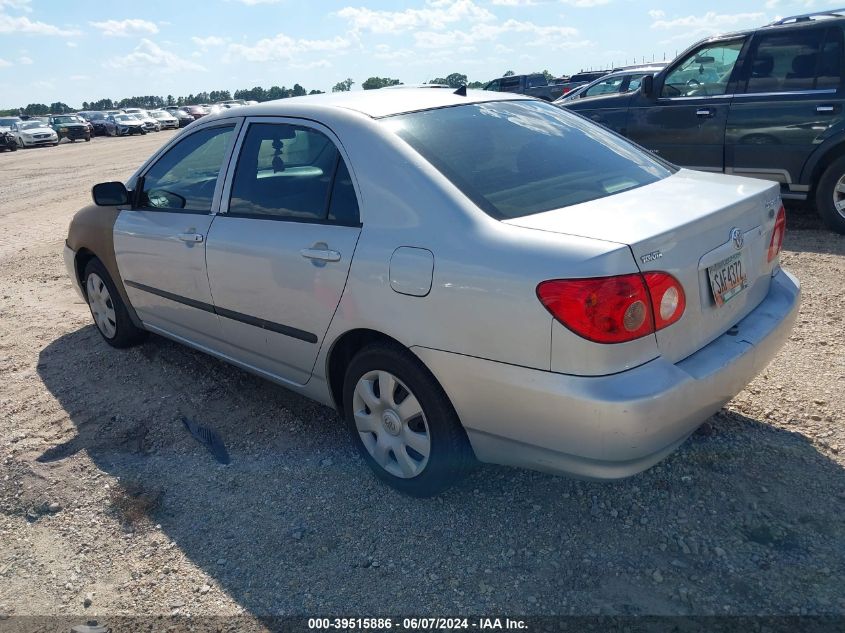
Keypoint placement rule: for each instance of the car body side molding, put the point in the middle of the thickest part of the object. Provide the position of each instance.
(279, 328)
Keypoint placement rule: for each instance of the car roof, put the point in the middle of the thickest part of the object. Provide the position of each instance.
(373, 103)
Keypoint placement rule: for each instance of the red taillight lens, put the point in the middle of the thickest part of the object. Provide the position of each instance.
(776, 243)
(614, 309)
(668, 300)
(603, 309)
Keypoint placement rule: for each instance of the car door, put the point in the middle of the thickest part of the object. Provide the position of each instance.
(160, 241)
(279, 251)
(686, 124)
(605, 102)
(788, 102)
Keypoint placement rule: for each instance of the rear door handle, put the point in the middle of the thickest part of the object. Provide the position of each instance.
(191, 238)
(704, 112)
(320, 254)
(825, 109)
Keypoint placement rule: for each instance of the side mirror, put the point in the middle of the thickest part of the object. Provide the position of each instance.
(647, 86)
(109, 194)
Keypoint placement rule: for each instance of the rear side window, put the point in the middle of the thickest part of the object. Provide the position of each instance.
(795, 60)
(516, 158)
(292, 172)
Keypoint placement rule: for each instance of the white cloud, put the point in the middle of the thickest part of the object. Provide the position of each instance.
(150, 57)
(20, 5)
(252, 3)
(552, 37)
(22, 24)
(514, 3)
(24, 60)
(585, 4)
(284, 47)
(4, 63)
(207, 42)
(125, 28)
(437, 14)
(711, 21)
(656, 14)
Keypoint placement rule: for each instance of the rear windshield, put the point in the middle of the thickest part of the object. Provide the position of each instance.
(517, 158)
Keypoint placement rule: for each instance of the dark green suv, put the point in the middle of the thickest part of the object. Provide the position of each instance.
(766, 103)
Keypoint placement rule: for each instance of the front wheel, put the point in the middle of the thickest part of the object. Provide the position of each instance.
(830, 196)
(403, 423)
(107, 308)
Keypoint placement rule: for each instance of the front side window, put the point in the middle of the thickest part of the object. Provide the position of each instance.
(705, 72)
(516, 158)
(292, 172)
(607, 86)
(184, 178)
(493, 85)
(795, 60)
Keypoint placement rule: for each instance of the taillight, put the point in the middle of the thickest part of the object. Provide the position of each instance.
(668, 300)
(614, 309)
(776, 243)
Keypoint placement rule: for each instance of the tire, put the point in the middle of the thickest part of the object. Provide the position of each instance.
(393, 442)
(20, 143)
(827, 196)
(87, 139)
(107, 308)
(143, 132)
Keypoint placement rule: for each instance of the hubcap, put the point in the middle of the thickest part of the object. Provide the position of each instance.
(391, 424)
(839, 196)
(102, 307)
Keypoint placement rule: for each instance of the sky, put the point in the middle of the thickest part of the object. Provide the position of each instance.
(56, 50)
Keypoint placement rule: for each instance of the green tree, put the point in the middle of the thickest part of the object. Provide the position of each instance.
(439, 80)
(374, 83)
(476, 85)
(36, 109)
(509, 73)
(343, 86)
(316, 92)
(456, 80)
(60, 108)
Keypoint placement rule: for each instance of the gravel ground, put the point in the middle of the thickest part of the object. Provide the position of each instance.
(109, 507)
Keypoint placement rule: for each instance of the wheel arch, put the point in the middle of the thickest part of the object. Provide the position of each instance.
(341, 353)
(821, 159)
(83, 256)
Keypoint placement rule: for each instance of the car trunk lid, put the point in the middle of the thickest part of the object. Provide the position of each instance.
(684, 225)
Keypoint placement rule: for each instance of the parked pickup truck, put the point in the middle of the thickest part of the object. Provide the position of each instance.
(531, 85)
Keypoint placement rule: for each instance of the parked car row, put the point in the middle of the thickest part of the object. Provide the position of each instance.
(767, 103)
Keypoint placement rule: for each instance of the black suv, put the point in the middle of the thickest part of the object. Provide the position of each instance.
(766, 103)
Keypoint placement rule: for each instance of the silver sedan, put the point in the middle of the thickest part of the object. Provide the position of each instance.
(462, 275)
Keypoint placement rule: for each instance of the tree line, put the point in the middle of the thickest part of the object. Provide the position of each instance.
(453, 80)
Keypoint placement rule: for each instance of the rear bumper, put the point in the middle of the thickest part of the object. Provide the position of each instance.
(609, 427)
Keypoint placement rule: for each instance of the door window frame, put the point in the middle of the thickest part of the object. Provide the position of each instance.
(730, 87)
(236, 123)
(226, 191)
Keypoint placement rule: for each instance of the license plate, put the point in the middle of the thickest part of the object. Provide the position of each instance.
(728, 278)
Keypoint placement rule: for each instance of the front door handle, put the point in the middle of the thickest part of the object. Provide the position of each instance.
(320, 254)
(825, 109)
(191, 238)
(704, 112)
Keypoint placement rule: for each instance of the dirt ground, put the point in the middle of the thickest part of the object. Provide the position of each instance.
(108, 506)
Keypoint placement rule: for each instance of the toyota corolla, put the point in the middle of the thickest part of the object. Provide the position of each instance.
(463, 275)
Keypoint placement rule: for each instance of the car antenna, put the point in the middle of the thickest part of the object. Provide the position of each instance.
(461, 92)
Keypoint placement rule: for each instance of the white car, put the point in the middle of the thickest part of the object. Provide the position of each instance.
(459, 273)
(165, 120)
(34, 133)
(150, 124)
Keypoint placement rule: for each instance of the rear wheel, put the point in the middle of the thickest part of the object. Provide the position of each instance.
(402, 422)
(107, 308)
(830, 196)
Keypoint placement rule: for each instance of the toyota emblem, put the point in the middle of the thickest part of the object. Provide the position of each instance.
(737, 238)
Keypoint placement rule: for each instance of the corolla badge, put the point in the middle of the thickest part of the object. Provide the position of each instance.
(737, 238)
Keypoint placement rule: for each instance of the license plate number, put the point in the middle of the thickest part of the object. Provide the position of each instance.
(728, 278)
